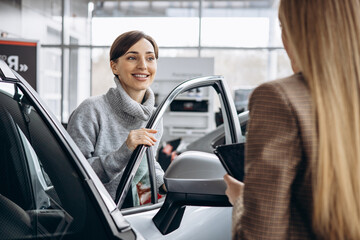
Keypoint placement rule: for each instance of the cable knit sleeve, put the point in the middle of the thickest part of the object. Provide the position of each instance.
(102, 141)
(84, 127)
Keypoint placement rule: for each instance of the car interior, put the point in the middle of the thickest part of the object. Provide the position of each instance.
(40, 192)
(20, 190)
(14, 196)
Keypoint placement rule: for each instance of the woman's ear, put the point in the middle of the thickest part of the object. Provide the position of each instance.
(113, 67)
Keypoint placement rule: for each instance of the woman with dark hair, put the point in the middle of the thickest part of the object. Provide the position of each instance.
(108, 128)
(302, 160)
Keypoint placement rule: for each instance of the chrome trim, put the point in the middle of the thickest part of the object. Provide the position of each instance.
(220, 86)
(143, 208)
(230, 116)
(181, 88)
(121, 223)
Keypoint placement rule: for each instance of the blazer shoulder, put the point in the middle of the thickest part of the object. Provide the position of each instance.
(295, 81)
(292, 88)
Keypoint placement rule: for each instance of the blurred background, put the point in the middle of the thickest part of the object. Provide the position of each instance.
(240, 40)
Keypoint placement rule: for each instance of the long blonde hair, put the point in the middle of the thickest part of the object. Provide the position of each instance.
(324, 39)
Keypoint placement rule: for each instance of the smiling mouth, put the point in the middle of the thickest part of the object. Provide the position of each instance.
(140, 75)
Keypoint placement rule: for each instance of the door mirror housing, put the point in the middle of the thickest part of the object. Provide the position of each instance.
(193, 178)
(196, 172)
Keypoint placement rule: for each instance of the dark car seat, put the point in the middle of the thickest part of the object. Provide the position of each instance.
(15, 223)
(14, 181)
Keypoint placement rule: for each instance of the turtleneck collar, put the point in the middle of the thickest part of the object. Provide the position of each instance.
(125, 106)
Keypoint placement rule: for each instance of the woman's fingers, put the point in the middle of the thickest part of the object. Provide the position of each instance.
(141, 136)
(145, 137)
(149, 130)
(229, 179)
(234, 188)
(150, 133)
(136, 140)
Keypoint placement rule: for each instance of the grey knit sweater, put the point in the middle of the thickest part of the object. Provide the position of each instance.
(100, 127)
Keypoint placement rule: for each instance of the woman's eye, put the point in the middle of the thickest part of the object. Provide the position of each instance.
(151, 58)
(131, 58)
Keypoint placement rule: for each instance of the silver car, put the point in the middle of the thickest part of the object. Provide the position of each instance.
(48, 190)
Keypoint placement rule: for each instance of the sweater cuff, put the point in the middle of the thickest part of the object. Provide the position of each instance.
(123, 153)
(159, 179)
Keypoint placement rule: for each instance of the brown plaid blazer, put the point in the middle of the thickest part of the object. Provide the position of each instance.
(277, 201)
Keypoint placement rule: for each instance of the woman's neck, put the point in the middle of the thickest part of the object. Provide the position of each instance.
(137, 96)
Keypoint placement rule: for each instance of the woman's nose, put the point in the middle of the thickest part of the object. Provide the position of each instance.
(142, 63)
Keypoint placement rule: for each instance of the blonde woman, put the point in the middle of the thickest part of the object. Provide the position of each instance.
(302, 178)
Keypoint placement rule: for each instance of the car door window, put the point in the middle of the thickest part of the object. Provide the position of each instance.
(41, 194)
(141, 189)
(144, 189)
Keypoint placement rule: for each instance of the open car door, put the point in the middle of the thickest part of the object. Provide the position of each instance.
(195, 205)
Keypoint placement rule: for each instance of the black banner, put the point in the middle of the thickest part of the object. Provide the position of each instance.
(22, 57)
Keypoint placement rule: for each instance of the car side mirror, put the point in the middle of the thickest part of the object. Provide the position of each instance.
(196, 172)
(193, 178)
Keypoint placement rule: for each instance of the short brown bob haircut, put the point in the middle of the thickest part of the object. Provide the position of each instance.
(126, 40)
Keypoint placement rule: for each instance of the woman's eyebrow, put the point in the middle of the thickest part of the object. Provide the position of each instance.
(135, 52)
(132, 52)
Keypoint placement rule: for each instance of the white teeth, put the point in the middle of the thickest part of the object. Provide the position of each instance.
(140, 75)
